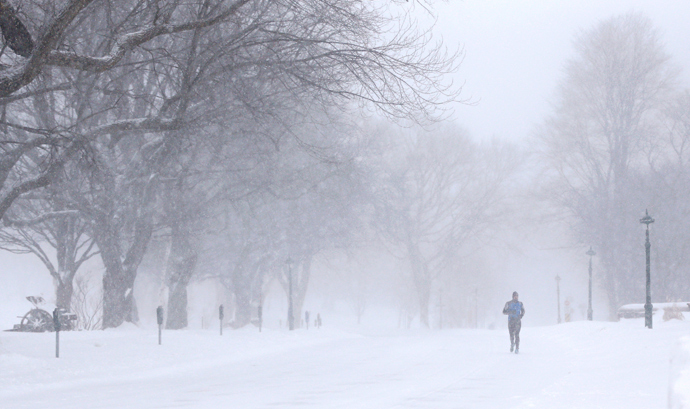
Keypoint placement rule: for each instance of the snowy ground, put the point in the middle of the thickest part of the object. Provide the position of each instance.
(574, 365)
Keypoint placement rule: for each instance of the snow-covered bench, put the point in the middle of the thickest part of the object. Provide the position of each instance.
(637, 310)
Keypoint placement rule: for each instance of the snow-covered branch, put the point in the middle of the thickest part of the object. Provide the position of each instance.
(131, 40)
(138, 125)
(18, 76)
(50, 215)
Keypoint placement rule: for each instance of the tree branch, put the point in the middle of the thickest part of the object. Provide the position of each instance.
(24, 223)
(19, 76)
(138, 125)
(129, 41)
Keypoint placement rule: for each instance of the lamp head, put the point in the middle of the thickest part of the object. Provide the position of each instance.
(647, 219)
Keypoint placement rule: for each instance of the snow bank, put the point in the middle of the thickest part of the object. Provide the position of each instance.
(637, 310)
(679, 386)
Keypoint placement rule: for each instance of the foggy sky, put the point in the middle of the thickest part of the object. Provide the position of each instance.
(515, 52)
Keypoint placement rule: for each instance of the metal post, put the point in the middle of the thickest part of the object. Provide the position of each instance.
(56, 326)
(558, 297)
(159, 318)
(590, 253)
(261, 320)
(221, 315)
(647, 219)
(261, 302)
(291, 318)
(648, 298)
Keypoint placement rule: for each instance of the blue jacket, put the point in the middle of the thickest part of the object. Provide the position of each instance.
(514, 310)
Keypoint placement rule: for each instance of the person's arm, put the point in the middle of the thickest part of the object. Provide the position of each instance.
(505, 308)
(522, 309)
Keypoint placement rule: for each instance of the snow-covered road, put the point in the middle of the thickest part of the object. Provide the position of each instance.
(575, 365)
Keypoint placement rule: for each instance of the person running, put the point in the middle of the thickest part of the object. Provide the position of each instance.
(515, 311)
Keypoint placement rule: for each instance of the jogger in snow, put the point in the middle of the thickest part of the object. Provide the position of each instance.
(514, 310)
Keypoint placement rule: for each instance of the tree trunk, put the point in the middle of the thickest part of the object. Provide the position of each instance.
(118, 298)
(118, 281)
(422, 282)
(64, 292)
(242, 289)
(181, 263)
(424, 296)
(299, 290)
(67, 234)
(177, 307)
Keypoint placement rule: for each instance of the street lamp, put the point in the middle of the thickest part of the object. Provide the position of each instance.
(291, 318)
(590, 253)
(558, 296)
(647, 220)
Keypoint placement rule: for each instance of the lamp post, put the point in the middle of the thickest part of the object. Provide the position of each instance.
(590, 253)
(558, 296)
(291, 318)
(647, 220)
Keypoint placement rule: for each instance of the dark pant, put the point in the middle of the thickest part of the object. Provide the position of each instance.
(514, 328)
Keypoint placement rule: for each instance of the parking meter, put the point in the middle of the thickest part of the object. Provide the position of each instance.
(220, 316)
(56, 326)
(159, 316)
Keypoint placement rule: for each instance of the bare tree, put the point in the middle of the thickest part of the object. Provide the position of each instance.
(359, 295)
(666, 185)
(131, 79)
(606, 113)
(335, 51)
(442, 196)
(87, 306)
(47, 227)
(291, 199)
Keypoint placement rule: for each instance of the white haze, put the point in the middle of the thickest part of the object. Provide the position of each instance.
(514, 52)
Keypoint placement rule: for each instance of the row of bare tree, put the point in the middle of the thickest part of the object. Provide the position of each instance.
(130, 122)
(219, 138)
(616, 145)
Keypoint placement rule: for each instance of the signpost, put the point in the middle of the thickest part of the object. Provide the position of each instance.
(220, 317)
(261, 320)
(56, 325)
(159, 316)
(558, 296)
(590, 253)
(647, 220)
